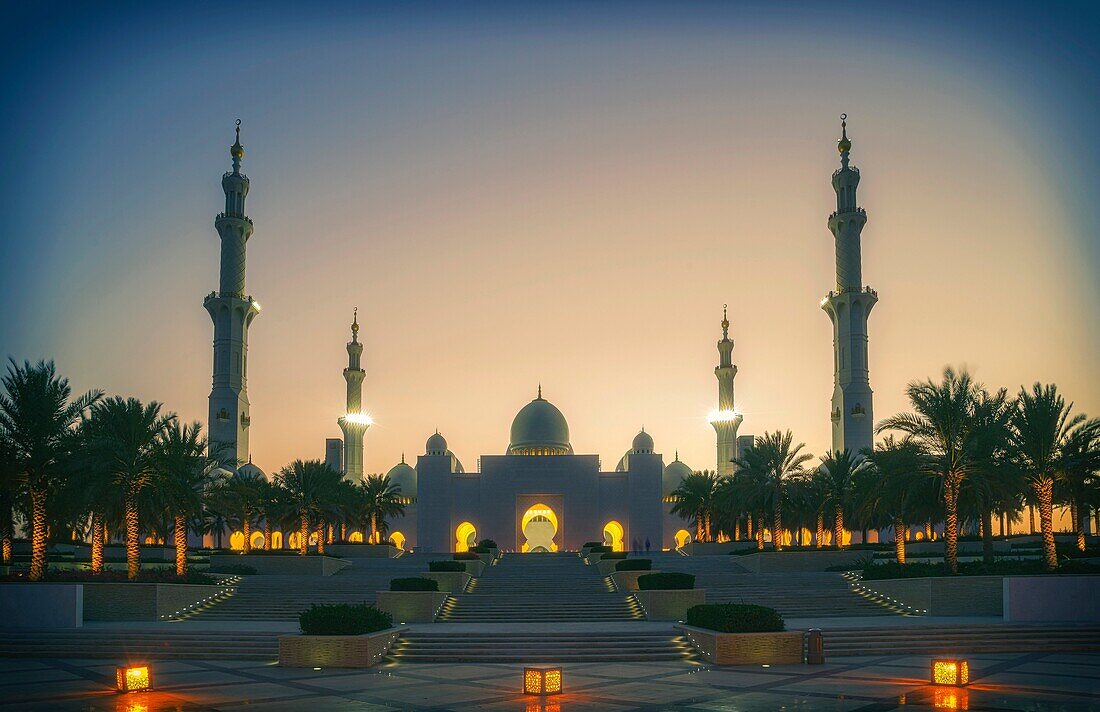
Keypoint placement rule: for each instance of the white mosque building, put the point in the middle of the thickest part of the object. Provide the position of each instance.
(538, 495)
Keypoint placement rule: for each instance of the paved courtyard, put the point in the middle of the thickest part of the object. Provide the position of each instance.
(1034, 682)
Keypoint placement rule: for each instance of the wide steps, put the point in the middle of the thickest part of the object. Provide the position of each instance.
(920, 640)
(540, 648)
(151, 645)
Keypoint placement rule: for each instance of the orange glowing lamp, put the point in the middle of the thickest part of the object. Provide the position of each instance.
(949, 671)
(133, 678)
(542, 680)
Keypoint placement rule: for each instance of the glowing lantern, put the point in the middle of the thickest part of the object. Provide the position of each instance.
(950, 672)
(133, 678)
(950, 698)
(542, 680)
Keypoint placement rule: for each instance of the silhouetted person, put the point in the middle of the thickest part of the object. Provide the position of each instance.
(647, 545)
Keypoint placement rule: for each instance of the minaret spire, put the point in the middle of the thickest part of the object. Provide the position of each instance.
(354, 422)
(232, 312)
(726, 420)
(848, 308)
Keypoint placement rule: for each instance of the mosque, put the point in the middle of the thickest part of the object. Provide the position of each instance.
(539, 495)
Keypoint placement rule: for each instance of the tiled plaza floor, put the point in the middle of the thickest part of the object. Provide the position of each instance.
(1033, 682)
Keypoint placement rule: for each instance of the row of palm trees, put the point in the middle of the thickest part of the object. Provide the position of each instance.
(90, 465)
(964, 454)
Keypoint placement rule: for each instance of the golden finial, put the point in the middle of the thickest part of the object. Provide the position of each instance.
(237, 150)
(844, 144)
(355, 323)
(725, 323)
(540, 392)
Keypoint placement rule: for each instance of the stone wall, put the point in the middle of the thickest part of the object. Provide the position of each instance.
(449, 581)
(669, 605)
(768, 562)
(41, 605)
(411, 606)
(366, 551)
(627, 581)
(1046, 598)
(782, 648)
(711, 548)
(281, 564)
(335, 651)
(944, 596)
(141, 601)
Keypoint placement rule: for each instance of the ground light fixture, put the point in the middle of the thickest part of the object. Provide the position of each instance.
(133, 678)
(950, 671)
(542, 681)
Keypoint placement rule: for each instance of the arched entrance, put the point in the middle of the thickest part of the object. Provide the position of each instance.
(465, 537)
(539, 525)
(613, 535)
(398, 540)
(356, 537)
(683, 538)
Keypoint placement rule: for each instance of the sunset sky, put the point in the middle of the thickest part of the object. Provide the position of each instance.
(557, 193)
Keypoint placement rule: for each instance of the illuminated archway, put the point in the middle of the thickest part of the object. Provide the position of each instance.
(465, 537)
(683, 538)
(294, 540)
(398, 540)
(276, 540)
(539, 525)
(257, 540)
(613, 535)
(356, 538)
(236, 541)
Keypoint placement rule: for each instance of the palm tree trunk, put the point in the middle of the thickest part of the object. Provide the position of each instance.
(179, 533)
(899, 540)
(133, 551)
(707, 536)
(97, 542)
(951, 523)
(373, 527)
(759, 533)
(1031, 518)
(777, 527)
(303, 534)
(1044, 492)
(247, 527)
(343, 532)
(819, 535)
(838, 527)
(748, 527)
(737, 528)
(267, 533)
(38, 534)
(987, 533)
(929, 532)
(1080, 523)
(321, 538)
(6, 534)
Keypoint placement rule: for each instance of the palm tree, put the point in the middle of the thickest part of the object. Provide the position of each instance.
(183, 475)
(9, 495)
(122, 438)
(695, 499)
(944, 426)
(897, 489)
(1041, 427)
(775, 456)
(308, 487)
(36, 417)
(241, 499)
(1077, 475)
(839, 471)
(381, 499)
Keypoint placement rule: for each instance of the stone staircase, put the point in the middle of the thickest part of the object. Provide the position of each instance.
(423, 646)
(540, 587)
(813, 594)
(284, 597)
(947, 640)
(141, 645)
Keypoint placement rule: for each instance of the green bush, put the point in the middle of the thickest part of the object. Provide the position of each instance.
(735, 618)
(343, 619)
(446, 566)
(612, 555)
(634, 565)
(666, 581)
(600, 549)
(591, 544)
(465, 556)
(481, 549)
(488, 544)
(1012, 567)
(414, 584)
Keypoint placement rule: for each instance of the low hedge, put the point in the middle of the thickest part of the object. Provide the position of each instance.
(1018, 567)
(634, 565)
(438, 566)
(487, 544)
(669, 581)
(591, 544)
(735, 618)
(414, 584)
(479, 549)
(465, 556)
(612, 555)
(600, 549)
(343, 619)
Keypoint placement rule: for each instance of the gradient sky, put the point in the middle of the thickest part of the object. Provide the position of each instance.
(565, 193)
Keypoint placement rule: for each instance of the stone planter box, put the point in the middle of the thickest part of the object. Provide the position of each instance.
(670, 605)
(783, 648)
(474, 568)
(486, 559)
(769, 562)
(142, 601)
(363, 551)
(712, 549)
(606, 566)
(335, 651)
(118, 552)
(449, 581)
(411, 606)
(281, 564)
(1048, 598)
(969, 548)
(628, 580)
(944, 596)
(41, 605)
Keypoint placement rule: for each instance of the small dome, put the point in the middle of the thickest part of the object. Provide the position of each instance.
(539, 429)
(674, 474)
(436, 445)
(404, 476)
(220, 473)
(643, 443)
(248, 471)
(624, 462)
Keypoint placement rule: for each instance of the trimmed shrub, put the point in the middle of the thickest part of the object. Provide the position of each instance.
(437, 566)
(481, 549)
(1004, 567)
(671, 580)
(466, 556)
(600, 549)
(487, 544)
(735, 618)
(414, 584)
(343, 619)
(612, 555)
(591, 544)
(634, 565)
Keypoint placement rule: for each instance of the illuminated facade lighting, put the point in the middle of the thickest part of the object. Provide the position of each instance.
(724, 416)
(542, 681)
(950, 672)
(358, 418)
(133, 678)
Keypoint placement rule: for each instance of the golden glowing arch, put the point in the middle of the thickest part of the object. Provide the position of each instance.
(683, 538)
(356, 538)
(236, 541)
(542, 512)
(465, 536)
(398, 540)
(613, 534)
(256, 540)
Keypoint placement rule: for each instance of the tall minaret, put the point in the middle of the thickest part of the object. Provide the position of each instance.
(232, 312)
(848, 308)
(354, 422)
(726, 419)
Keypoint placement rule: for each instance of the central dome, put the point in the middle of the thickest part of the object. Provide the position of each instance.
(540, 429)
